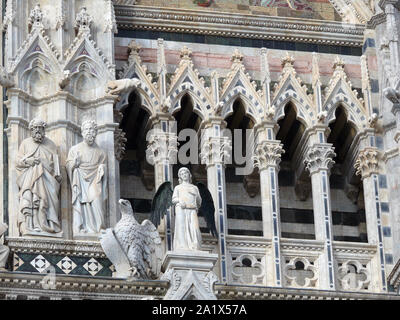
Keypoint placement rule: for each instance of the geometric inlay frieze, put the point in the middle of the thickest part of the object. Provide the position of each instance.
(66, 265)
(40, 263)
(18, 262)
(93, 266)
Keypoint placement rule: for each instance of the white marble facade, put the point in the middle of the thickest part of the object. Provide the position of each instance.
(60, 68)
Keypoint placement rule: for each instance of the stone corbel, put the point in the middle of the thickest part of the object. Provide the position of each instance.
(352, 192)
(116, 87)
(302, 189)
(147, 176)
(6, 79)
(251, 184)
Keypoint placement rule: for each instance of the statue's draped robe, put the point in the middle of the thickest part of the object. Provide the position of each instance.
(4, 250)
(89, 187)
(187, 232)
(38, 188)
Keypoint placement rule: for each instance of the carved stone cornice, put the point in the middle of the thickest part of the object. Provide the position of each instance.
(319, 157)
(215, 150)
(268, 154)
(56, 246)
(162, 147)
(239, 25)
(376, 20)
(367, 162)
(33, 286)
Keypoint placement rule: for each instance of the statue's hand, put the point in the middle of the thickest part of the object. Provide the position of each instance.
(30, 161)
(182, 205)
(77, 162)
(36, 161)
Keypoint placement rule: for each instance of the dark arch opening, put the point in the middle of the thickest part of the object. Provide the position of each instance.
(136, 174)
(296, 206)
(348, 209)
(243, 188)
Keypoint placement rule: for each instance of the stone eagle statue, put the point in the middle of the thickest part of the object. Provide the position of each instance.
(133, 248)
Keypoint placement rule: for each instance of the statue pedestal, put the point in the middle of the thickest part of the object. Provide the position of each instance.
(190, 275)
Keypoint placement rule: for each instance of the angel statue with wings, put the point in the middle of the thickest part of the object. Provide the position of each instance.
(189, 200)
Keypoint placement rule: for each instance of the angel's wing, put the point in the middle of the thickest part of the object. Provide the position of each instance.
(161, 202)
(207, 209)
(152, 249)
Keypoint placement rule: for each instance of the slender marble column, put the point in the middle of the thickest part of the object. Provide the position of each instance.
(267, 157)
(319, 161)
(367, 166)
(161, 152)
(215, 151)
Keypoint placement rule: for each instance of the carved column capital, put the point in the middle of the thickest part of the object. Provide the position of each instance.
(319, 157)
(162, 147)
(367, 162)
(215, 150)
(268, 154)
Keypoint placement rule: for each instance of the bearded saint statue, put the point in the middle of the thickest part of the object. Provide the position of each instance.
(87, 167)
(38, 179)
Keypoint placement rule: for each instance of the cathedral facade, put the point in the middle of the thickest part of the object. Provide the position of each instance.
(288, 111)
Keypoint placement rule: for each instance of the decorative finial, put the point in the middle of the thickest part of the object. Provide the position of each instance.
(186, 53)
(134, 48)
(287, 61)
(83, 21)
(338, 64)
(35, 20)
(237, 56)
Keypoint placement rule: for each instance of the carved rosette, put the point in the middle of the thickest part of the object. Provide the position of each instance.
(162, 147)
(268, 154)
(216, 150)
(367, 162)
(319, 157)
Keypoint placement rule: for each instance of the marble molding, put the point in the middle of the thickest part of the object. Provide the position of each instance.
(190, 275)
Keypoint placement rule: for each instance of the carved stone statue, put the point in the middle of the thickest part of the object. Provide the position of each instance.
(4, 250)
(189, 200)
(116, 87)
(38, 179)
(87, 171)
(133, 248)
